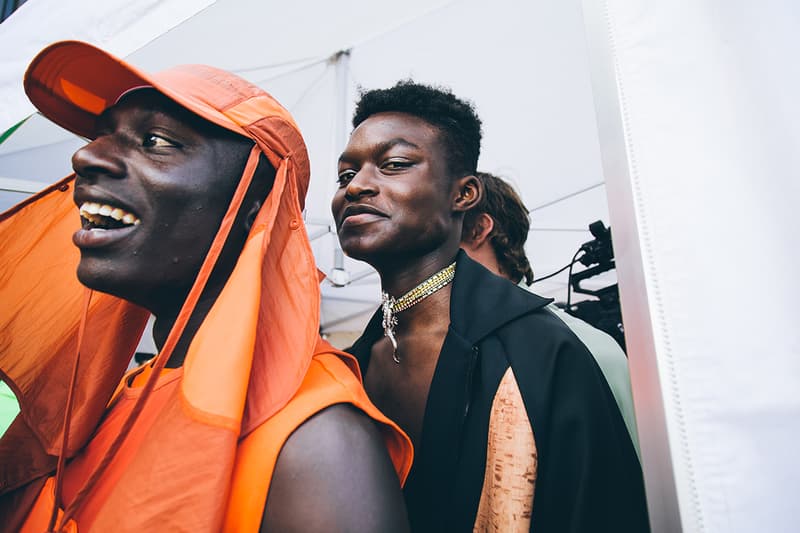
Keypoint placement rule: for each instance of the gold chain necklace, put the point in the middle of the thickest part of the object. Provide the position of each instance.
(391, 306)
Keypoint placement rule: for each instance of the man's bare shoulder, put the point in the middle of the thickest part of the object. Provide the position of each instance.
(334, 474)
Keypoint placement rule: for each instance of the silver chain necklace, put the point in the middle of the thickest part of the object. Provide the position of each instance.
(391, 306)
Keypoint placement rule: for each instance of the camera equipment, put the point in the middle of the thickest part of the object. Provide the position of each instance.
(604, 311)
(598, 250)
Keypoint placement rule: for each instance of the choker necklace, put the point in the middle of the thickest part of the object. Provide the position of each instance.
(391, 307)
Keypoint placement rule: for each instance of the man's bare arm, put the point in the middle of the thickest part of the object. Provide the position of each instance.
(334, 474)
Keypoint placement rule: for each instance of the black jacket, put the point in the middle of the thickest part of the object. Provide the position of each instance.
(588, 476)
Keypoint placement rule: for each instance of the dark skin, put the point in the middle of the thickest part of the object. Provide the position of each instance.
(176, 174)
(332, 475)
(400, 208)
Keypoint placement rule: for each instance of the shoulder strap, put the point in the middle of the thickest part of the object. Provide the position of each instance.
(331, 379)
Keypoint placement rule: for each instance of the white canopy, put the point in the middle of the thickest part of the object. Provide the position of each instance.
(524, 65)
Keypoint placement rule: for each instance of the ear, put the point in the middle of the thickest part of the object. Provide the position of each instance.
(250, 219)
(468, 192)
(481, 231)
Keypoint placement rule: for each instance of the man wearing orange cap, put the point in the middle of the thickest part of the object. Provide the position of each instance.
(190, 196)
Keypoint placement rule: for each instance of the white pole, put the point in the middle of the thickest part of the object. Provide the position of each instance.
(699, 124)
(339, 276)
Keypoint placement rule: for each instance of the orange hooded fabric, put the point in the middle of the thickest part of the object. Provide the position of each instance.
(64, 349)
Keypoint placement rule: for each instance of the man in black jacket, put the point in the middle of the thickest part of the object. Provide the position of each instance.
(513, 424)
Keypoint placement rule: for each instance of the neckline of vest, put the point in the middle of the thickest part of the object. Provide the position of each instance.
(134, 382)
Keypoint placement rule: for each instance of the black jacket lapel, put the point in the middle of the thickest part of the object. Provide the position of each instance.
(430, 489)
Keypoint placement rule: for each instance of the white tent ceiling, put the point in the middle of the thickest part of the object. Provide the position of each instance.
(524, 65)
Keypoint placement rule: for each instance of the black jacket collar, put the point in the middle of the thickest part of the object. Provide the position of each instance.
(481, 301)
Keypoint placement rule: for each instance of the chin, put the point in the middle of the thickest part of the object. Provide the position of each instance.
(389, 250)
(97, 281)
(102, 277)
(378, 258)
(358, 250)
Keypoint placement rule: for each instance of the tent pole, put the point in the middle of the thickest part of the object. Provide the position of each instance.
(341, 59)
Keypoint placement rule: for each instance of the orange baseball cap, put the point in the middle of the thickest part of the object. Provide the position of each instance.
(73, 82)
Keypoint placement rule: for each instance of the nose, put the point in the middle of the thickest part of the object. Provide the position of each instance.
(98, 158)
(360, 185)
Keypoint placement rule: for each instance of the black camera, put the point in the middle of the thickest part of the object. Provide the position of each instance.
(604, 311)
(599, 250)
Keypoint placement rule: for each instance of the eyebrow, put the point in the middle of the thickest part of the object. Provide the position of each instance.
(105, 119)
(382, 147)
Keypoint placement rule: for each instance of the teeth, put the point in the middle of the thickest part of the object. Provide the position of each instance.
(95, 213)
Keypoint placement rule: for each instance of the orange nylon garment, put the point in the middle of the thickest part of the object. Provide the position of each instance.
(332, 378)
(251, 356)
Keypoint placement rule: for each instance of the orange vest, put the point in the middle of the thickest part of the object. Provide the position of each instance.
(331, 379)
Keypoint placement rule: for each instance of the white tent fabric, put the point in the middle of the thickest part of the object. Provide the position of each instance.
(118, 26)
(523, 64)
(700, 126)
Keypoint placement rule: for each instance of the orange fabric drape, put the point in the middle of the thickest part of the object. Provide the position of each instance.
(40, 316)
(332, 378)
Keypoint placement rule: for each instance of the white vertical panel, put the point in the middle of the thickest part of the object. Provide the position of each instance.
(699, 121)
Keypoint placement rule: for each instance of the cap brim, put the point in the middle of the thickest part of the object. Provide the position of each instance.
(72, 83)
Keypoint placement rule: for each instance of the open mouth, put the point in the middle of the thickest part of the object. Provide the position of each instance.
(104, 216)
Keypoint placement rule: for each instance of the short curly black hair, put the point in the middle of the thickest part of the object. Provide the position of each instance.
(511, 225)
(454, 117)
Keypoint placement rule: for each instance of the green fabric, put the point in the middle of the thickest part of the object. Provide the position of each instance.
(8, 407)
(6, 134)
(612, 362)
